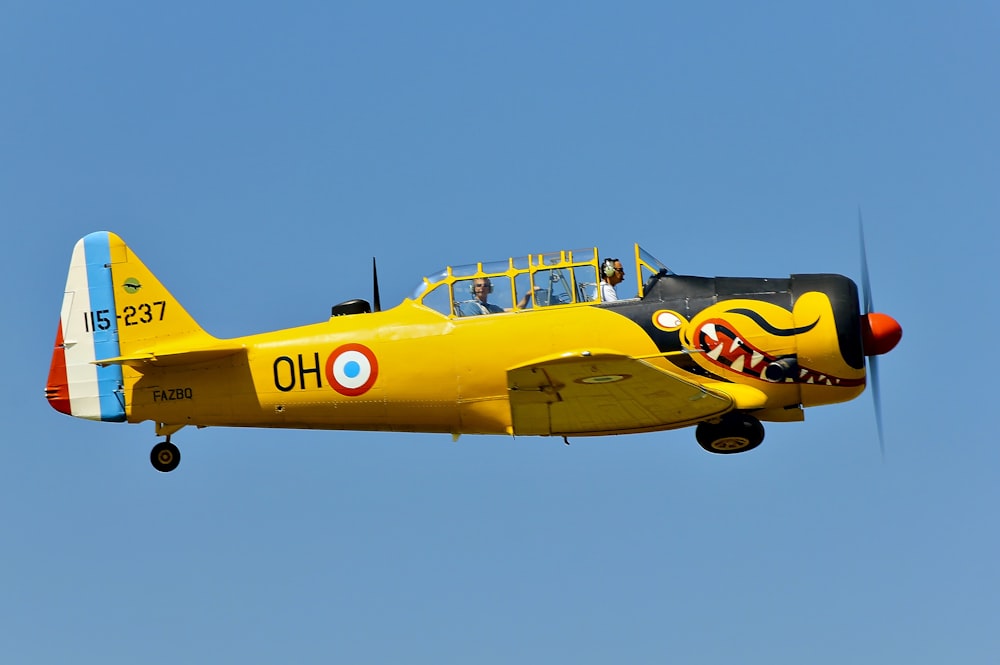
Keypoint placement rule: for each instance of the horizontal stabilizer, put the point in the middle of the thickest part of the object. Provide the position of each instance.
(171, 358)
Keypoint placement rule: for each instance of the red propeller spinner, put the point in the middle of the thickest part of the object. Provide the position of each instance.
(880, 333)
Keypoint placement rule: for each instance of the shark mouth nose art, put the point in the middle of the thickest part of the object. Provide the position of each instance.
(726, 348)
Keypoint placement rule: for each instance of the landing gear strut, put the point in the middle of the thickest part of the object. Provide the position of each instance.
(165, 456)
(734, 433)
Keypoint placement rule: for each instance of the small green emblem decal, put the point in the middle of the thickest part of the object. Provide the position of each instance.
(131, 285)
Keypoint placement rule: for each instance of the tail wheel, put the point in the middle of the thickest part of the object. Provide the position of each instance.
(734, 433)
(165, 456)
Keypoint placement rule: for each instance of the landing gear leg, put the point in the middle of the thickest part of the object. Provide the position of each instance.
(165, 456)
(734, 433)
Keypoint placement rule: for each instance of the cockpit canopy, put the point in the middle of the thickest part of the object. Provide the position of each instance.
(567, 277)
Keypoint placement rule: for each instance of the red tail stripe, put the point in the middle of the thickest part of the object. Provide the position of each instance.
(57, 388)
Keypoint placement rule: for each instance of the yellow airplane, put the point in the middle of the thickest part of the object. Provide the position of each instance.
(534, 345)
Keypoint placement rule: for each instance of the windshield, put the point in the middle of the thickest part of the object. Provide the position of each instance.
(650, 269)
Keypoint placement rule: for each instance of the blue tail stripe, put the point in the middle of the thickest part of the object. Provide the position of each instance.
(97, 250)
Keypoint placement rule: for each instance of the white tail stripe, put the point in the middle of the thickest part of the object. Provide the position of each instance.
(90, 332)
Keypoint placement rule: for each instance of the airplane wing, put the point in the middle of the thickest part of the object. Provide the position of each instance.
(605, 393)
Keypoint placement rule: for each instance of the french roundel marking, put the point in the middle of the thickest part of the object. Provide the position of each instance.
(352, 369)
(606, 378)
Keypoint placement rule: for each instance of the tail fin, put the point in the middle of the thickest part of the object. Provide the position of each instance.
(113, 308)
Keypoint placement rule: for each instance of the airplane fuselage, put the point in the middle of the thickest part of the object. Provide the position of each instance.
(411, 369)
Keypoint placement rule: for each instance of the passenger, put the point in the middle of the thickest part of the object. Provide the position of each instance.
(481, 288)
(612, 274)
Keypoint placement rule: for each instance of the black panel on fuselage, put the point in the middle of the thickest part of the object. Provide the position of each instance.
(688, 296)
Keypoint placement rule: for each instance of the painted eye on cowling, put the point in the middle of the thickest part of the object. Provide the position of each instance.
(668, 320)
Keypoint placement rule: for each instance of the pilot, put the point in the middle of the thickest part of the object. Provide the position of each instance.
(612, 274)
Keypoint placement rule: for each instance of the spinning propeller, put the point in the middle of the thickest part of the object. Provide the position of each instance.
(879, 334)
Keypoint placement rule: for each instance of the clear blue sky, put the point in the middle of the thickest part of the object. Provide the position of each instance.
(256, 156)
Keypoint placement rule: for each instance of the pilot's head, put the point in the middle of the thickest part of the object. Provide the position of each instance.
(612, 271)
(482, 287)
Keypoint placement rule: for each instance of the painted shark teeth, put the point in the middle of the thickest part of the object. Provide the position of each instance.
(726, 348)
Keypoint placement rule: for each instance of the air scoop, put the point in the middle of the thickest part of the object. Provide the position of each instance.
(880, 333)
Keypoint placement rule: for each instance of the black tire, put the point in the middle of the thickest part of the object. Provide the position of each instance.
(165, 457)
(734, 433)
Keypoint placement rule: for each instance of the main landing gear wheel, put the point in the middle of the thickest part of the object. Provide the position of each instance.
(734, 433)
(165, 456)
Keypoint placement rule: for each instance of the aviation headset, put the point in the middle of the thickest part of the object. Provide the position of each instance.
(486, 282)
(608, 267)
